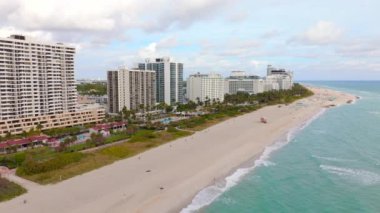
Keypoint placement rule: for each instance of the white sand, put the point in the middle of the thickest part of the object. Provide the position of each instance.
(182, 167)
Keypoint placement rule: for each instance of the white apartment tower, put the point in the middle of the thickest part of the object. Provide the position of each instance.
(169, 79)
(130, 89)
(37, 86)
(36, 78)
(203, 86)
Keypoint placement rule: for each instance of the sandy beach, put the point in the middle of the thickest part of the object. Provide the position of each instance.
(166, 178)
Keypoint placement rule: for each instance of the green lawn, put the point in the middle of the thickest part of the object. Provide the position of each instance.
(9, 190)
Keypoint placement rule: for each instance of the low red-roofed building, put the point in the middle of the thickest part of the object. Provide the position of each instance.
(105, 129)
(22, 144)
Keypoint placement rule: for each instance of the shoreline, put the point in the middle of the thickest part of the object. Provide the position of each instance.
(177, 170)
(248, 166)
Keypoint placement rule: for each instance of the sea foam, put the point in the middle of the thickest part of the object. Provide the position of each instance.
(207, 195)
(333, 159)
(374, 112)
(362, 176)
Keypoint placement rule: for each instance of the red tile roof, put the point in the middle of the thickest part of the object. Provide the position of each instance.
(23, 141)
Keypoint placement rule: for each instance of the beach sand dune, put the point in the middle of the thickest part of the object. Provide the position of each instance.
(166, 178)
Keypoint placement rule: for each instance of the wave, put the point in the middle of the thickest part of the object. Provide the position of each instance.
(319, 132)
(362, 176)
(333, 159)
(209, 194)
(374, 112)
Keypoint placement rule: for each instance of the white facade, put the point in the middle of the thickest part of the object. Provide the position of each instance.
(37, 86)
(130, 89)
(36, 78)
(258, 86)
(278, 82)
(203, 86)
(239, 81)
(169, 76)
(278, 79)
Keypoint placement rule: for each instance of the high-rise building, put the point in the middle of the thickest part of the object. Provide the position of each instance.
(131, 89)
(239, 81)
(36, 78)
(36, 83)
(169, 77)
(205, 86)
(278, 79)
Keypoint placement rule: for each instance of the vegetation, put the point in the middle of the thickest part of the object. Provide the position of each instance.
(59, 132)
(9, 190)
(270, 97)
(190, 106)
(97, 89)
(12, 160)
(32, 165)
(241, 103)
(24, 134)
(72, 164)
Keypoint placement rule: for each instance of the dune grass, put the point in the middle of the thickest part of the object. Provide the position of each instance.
(140, 142)
(9, 190)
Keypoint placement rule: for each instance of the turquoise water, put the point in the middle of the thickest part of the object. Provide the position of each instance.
(331, 165)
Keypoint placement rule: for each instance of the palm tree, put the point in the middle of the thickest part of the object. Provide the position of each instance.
(39, 127)
(207, 101)
(198, 101)
(142, 108)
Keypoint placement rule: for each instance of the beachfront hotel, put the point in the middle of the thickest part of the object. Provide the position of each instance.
(239, 81)
(205, 86)
(130, 88)
(278, 79)
(169, 79)
(37, 86)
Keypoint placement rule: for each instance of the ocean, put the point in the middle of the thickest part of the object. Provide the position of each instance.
(330, 164)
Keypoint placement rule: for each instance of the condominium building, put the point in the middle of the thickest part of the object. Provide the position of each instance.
(36, 80)
(278, 79)
(169, 77)
(201, 87)
(131, 88)
(239, 81)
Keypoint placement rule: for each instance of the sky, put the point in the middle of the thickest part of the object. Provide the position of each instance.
(318, 40)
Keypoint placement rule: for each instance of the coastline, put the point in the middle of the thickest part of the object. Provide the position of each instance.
(207, 195)
(181, 168)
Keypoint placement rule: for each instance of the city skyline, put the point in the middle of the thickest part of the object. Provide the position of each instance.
(318, 40)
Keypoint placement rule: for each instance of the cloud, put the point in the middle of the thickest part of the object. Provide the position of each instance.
(159, 48)
(184, 13)
(321, 33)
(105, 20)
(270, 34)
(258, 64)
(6, 31)
(362, 47)
(233, 47)
(238, 16)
